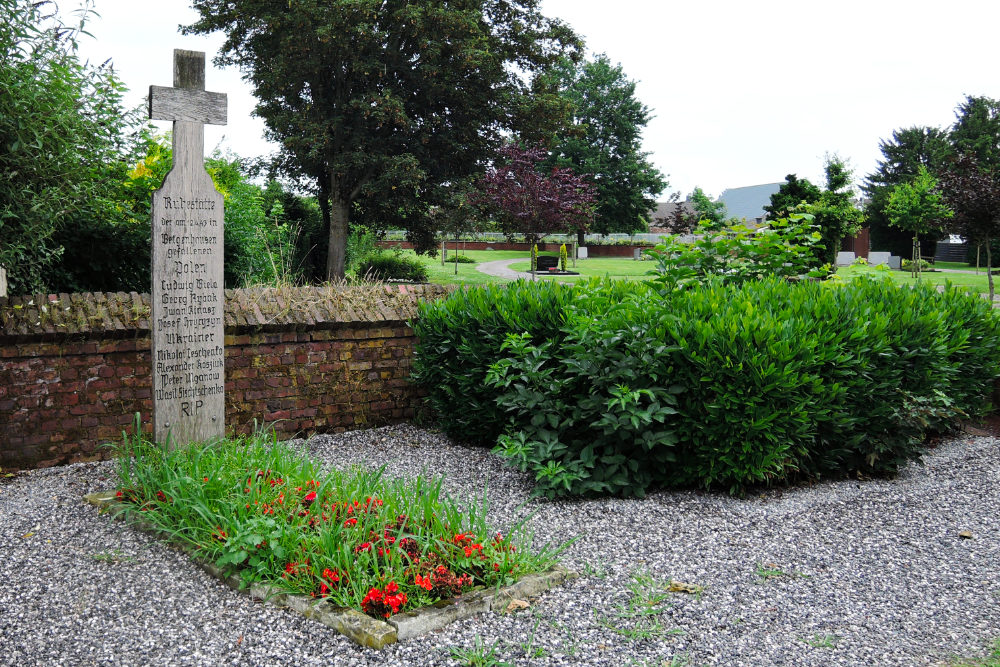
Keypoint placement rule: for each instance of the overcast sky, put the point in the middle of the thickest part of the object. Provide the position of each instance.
(743, 93)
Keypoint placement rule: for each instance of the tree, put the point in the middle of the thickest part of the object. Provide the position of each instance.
(381, 103)
(531, 203)
(903, 155)
(976, 131)
(918, 207)
(65, 145)
(792, 193)
(835, 213)
(972, 192)
(713, 211)
(682, 218)
(604, 143)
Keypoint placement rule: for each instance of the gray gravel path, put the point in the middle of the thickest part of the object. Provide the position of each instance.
(842, 573)
(499, 268)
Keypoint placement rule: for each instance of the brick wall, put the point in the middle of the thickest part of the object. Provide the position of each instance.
(74, 369)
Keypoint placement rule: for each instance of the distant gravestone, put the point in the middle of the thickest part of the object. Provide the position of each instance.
(878, 258)
(187, 288)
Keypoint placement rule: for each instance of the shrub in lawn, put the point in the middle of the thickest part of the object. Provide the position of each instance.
(392, 266)
(353, 536)
(731, 386)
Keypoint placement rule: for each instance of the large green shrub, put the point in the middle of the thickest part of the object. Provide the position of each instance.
(730, 386)
(460, 338)
(392, 266)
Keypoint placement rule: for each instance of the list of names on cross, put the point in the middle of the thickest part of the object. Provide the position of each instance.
(187, 325)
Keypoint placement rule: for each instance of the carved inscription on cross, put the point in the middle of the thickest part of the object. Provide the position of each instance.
(188, 300)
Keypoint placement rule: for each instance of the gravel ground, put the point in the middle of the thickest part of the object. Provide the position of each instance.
(844, 573)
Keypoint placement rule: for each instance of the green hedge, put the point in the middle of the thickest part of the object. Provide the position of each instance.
(392, 266)
(459, 338)
(615, 389)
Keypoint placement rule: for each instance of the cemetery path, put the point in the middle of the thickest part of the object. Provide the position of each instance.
(897, 571)
(499, 268)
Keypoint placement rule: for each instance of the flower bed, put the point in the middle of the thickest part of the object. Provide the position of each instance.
(350, 538)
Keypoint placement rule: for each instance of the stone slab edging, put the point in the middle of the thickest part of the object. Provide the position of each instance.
(353, 624)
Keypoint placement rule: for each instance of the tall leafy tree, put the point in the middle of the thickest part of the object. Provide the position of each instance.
(902, 156)
(972, 192)
(532, 203)
(65, 143)
(918, 207)
(793, 193)
(705, 208)
(976, 130)
(604, 143)
(382, 103)
(835, 213)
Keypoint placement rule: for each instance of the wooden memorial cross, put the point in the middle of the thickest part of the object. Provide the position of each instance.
(186, 325)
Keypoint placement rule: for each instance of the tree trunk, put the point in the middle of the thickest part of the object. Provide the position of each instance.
(989, 269)
(581, 238)
(339, 209)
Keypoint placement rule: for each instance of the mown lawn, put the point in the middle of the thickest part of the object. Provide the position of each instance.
(629, 269)
(970, 281)
(625, 268)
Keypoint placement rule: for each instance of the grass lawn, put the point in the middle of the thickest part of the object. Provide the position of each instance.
(967, 280)
(467, 274)
(612, 267)
(629, 269)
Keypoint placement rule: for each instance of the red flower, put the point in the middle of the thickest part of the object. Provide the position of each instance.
(350, 522)
(310, 497)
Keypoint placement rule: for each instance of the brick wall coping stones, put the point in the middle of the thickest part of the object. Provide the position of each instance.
(47, 317)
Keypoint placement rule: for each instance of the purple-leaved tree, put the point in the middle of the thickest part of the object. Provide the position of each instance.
(531, 203)
(972, 191)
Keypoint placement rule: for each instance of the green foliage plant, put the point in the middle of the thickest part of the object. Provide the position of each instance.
(459, 339)
(902, 155)
(67, 139)
(834, 213)
(563, 256)
(793, 193)
(737, 253)
(361, 243)
(712, 211)
(268, 512)
(392, 266)
(918, 206)
(630, 386)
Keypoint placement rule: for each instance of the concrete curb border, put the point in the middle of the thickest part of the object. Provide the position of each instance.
(356, 626)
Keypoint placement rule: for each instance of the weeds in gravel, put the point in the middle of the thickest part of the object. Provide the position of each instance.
(639, 619)
(353, 537)
(769, 571)
(822, 641)
(679, 660)
(480, 656)
(647, 591)
(596, 571)
(992, 660)
(113, 556)
(528, 646)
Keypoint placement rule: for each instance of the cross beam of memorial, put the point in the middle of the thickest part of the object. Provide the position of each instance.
(187, 330)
